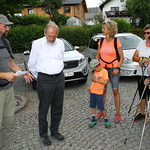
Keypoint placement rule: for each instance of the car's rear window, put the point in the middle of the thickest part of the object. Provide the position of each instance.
(129, 42)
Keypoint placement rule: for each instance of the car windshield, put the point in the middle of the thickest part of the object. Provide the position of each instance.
(93, 43)
(129, 42)
(68, 46)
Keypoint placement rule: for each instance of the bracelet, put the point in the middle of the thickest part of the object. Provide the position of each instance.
(118, 68)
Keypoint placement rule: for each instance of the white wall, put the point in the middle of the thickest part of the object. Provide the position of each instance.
(114, 3)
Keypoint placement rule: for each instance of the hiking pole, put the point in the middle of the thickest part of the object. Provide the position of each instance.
(135, 115)
(143, 70)
(145, 121)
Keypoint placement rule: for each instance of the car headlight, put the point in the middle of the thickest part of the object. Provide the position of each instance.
(81, 60)
(127, 61)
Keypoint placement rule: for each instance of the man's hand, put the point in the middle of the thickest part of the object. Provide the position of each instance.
(10, 76)
(28, 77)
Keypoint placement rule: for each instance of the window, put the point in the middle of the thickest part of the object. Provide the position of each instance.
(114, 8)
(30, 11)
(66, 9)
(121, 0)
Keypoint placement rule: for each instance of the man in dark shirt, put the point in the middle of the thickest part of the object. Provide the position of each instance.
(7, 76)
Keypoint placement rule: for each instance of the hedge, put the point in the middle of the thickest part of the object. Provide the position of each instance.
(21, 37)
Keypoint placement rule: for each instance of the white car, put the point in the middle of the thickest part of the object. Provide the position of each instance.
(129, 43)
(75, 64)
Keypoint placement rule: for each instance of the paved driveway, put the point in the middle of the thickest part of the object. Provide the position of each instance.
(75, 120)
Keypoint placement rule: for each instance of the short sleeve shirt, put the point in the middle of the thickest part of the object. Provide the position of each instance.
(98, 88)
(143, 52)
(4, 63)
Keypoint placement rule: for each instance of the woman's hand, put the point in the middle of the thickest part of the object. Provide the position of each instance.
(115, 72)
(146, 81)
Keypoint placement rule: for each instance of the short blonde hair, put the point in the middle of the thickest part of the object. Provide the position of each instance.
(112, 27)
(51, 24)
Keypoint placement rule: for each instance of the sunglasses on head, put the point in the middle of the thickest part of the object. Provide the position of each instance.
(147, 33)
(105, 22)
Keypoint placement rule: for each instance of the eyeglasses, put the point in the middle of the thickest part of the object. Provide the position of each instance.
(5, 26)
(147, 33)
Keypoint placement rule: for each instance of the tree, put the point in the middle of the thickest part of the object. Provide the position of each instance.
(11, 7)
(98, 19)
(51, 7)
(139, 9)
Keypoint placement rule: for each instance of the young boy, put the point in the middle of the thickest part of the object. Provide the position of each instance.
(99, 80)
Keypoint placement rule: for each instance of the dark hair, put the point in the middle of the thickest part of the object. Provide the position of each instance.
(147, 27)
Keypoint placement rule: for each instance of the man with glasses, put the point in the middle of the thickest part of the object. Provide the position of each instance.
(46, 64)
(7, 76)
(142, 56)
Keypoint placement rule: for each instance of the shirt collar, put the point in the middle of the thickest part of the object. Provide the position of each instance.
(46, 42)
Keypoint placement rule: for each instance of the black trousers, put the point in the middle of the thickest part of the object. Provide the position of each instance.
(141, 87)
(50, 89)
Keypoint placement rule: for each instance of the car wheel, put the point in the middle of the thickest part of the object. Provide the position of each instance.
(89, 59)
(34, 85)
(83, 80)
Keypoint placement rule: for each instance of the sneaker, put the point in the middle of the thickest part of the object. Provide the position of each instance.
(118, 118)
(92, 124)
(99, 115)
(107, 124)
(139, 117)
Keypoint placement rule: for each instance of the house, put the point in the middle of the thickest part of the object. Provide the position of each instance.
(114, 9)
(89, 17)
(75, 8)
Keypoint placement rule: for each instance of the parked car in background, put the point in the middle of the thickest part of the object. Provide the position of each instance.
(129, 43)
(75, 64)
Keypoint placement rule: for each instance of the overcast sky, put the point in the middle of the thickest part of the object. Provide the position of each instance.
(93, 3)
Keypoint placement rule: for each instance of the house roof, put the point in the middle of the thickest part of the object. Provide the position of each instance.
(68, 2)
(102, 5)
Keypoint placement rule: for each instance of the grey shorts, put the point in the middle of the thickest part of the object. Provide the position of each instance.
(113, 79)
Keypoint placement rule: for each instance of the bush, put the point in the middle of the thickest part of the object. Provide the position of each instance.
(29, 19)
(138, 31)
(123, 26)
(78, 35)
(21, 37)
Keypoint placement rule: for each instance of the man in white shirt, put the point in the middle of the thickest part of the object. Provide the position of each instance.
(46, 64)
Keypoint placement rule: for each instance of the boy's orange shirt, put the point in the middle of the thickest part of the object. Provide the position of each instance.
(96, 87)
(108, 53)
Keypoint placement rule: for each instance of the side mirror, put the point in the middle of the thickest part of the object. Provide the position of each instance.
(77, 47)
(26, 52)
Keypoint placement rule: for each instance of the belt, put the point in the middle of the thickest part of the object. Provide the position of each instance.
(50, 75)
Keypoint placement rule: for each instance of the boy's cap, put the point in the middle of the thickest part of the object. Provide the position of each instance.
(94, 63)
(4, 20)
